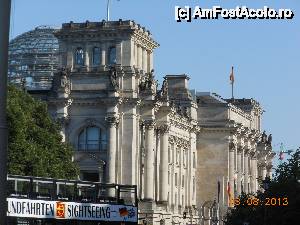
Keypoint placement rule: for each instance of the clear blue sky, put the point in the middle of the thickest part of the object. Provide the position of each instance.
(265, 54)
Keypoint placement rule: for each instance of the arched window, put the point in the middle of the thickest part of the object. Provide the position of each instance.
(92, 139)
(112, 56)
(96, 56)
(79, 57)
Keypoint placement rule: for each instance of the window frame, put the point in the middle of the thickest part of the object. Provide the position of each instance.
(94, 63)
(101, 142)
(79, 50)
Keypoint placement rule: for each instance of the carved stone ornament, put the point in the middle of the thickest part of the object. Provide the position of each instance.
(180, 142)
(231, 146)
(164, 129)
(90, 122)
(112, 121)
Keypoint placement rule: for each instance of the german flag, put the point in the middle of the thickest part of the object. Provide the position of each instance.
(123, 211)
(231, 77)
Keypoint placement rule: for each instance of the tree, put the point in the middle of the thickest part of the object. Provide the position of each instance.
(35, 146)
(284, 189)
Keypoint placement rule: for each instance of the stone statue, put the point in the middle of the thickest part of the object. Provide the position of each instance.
(61, 80)
(164, 88)
(147, 81)
(113, 77)
(270, 139)
(264, 137)
(150, 79)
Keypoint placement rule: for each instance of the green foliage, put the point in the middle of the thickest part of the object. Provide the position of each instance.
(286, 184)
(35, 146)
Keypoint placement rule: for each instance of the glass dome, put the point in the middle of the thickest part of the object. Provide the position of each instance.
(33, 58)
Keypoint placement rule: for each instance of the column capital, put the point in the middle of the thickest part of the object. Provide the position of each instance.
(112, 121)
(163, 129)
(240, 149)
(149, 124)
(232, 146)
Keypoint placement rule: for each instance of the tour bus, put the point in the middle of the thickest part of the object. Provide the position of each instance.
(46, 201)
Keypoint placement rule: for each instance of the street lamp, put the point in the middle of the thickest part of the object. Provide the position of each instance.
(4, 40)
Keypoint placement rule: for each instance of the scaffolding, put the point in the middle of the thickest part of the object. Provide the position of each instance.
(33, 58)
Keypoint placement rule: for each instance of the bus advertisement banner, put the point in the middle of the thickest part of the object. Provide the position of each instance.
(28, 208)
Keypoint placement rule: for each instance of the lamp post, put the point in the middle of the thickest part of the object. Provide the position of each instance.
(4, 39)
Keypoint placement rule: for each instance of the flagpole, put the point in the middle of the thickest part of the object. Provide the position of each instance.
(232, 90)
(107, 10)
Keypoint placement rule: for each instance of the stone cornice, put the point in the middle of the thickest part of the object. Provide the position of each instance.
(60, 101)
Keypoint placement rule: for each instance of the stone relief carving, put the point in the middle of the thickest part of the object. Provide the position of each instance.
(90, 122)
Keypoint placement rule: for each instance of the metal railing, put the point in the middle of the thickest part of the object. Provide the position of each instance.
(71, 190)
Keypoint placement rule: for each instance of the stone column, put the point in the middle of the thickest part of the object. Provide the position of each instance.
(150, 61)
(239, 171)
(163, 169)
(149, 161)
(263, 171)
(87, 57)
(103, 55)
(136, 55)
(231, 163)
(140, 57)
(253, 174)
(246, 172)
(145, 60)
(112, 149)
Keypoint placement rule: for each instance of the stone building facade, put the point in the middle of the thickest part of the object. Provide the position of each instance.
(123, 128)
(231, 149)
(173, 144)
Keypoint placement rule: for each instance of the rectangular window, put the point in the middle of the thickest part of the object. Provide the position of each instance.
(169, 154)
(176, 179)
(182, 181)
(96, 56)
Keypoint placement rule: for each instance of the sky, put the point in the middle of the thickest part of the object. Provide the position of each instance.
(265, 53)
